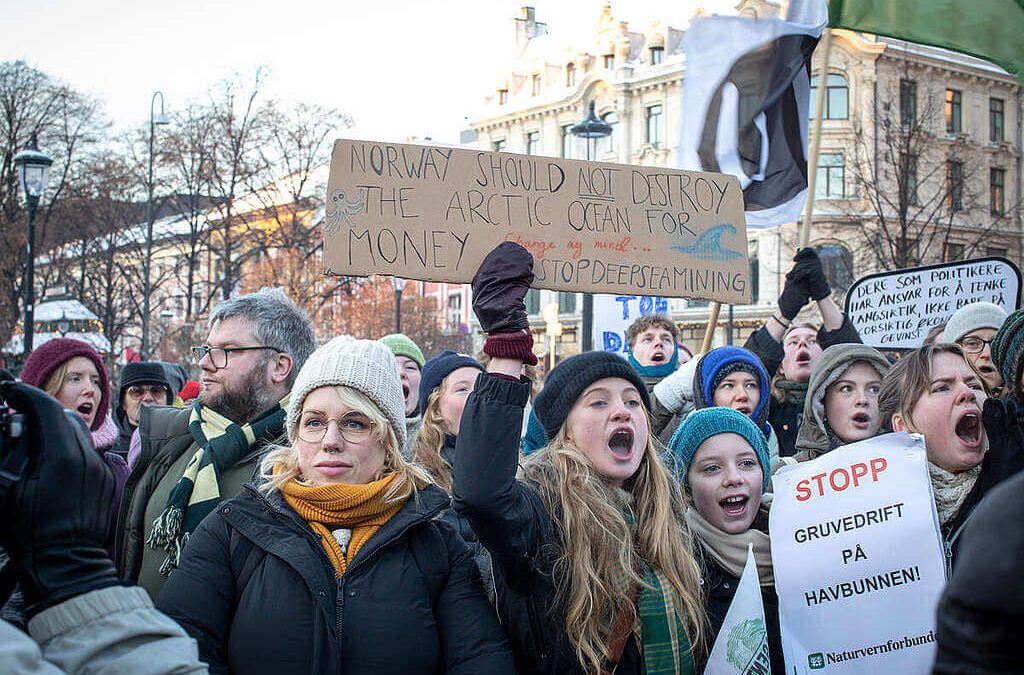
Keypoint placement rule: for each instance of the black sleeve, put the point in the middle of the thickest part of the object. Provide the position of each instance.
(200, 594)
(842, 335)
(506, 515)
(767, 348)
(471, 636)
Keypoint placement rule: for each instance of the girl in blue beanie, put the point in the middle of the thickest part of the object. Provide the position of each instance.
(721, 459)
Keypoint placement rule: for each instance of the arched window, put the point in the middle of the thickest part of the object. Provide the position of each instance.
(837, 261)
(570, 74)
(837, 97)
(612, 120)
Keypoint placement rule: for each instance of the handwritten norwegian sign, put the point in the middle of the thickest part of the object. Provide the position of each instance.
(614, 314)
(433, 213)
(858, 560)
(895, 310)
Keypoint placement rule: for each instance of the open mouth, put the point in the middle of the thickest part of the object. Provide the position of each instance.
(803, 358)
(657, 357)
(986, 370)
(621, 444)
(969, 429)
(85, 409)
(745, 409)
(405, 392)
(734, 506)
(861, 420)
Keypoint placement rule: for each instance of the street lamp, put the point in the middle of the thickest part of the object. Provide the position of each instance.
(33, 169)
(63, 324)
(154, 119)
(591, 131)
(398, 284)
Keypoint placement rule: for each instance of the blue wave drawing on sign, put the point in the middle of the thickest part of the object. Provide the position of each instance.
(709, 245)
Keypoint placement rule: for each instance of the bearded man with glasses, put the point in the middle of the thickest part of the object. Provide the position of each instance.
(194, 458)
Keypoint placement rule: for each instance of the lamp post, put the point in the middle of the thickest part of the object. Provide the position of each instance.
(591, 130)
(398, 283)
(154, 120)
(33, 169)
(63, 323)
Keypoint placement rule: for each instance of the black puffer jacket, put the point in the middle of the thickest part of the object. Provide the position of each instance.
(512, 522)
(785, 416)
(257, 592)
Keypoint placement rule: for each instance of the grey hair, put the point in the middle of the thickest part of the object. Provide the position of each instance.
(277, 321)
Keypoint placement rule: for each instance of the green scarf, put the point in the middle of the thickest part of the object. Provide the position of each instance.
(222, 444)
(666, 646)
(791, 391)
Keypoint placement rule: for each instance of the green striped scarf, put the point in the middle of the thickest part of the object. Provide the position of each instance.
(222, 443)
(666, 646)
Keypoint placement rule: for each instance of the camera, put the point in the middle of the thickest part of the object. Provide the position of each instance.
(13, 453)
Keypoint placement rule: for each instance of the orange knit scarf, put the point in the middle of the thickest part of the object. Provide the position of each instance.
(360, 508)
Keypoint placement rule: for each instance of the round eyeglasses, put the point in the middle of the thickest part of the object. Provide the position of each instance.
(974, 345)
(353, 427)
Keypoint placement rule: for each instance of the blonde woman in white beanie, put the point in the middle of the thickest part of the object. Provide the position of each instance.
(335, 557)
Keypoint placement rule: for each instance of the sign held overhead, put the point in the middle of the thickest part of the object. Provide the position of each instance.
(432, 213)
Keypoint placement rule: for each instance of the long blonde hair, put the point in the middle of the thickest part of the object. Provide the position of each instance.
(426, 451)
(601, 550)
(282, 463)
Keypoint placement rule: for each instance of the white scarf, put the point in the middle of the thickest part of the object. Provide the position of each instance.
(951, 489)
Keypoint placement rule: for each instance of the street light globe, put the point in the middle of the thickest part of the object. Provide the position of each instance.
(33, 169)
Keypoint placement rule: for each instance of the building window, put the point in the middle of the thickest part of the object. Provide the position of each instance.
(952, 252)
(654, 131)
(533, 143)
(955, 186)
(908, 103)
(499, 145)
(612, 120)
(831, 176)
(995, 120)
(996, 251)
(567, 140)
(657, 56)
(609, 61)
(837, 262)
(908, 183)
(954, 111)
(570, 74)
(532, 301)
(837, 95)
(566, 302)
(535, 85)
(502, 96)
(755, 269)
(997, 191)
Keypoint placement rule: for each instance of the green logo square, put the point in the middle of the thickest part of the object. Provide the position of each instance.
(816, 661)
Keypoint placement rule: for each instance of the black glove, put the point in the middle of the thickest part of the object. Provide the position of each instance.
(793, 298)
(56, 521)
(808, 270)
(1002, 420)
(499, 287)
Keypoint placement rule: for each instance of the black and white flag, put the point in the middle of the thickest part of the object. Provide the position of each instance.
(746, 98)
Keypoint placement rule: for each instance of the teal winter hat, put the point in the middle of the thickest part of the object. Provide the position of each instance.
(700, 425)
(401, 345)
(1008, 350)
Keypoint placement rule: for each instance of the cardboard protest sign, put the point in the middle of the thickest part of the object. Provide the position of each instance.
(433, 213)
(613, 315)
(741, 647)
(895, 310)
(858, 559)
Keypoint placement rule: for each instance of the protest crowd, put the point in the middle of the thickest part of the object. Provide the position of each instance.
(345, 504)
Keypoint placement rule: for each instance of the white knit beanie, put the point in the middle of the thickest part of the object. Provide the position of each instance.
(972, 317)
(364, 365)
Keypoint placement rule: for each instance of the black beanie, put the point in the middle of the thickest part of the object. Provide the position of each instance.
(571, 377)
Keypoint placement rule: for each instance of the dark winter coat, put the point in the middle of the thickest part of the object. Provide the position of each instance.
(981, 613)
(258, 593)
(719, 588)
(785, 416)
(512, 522)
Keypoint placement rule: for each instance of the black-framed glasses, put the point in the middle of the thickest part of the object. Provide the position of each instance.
(973, 345)
(353, 427)
(219, 355)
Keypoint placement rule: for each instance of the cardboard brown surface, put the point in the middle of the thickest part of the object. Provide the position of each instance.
(433, 213)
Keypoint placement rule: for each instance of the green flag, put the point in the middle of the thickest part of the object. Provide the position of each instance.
(989, 29)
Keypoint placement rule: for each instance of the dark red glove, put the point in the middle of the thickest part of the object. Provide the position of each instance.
(499, 289)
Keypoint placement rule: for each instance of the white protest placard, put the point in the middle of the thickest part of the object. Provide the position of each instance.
(895, 310)
(741, 647)
(858, 559)
(613, 314)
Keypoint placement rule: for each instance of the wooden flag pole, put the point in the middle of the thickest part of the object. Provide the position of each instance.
(812, 165)
(709, 334)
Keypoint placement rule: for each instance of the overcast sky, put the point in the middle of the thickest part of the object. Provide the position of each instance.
(399, 67)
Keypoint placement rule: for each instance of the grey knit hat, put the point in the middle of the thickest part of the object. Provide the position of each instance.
(364, 365)
(972, 317)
